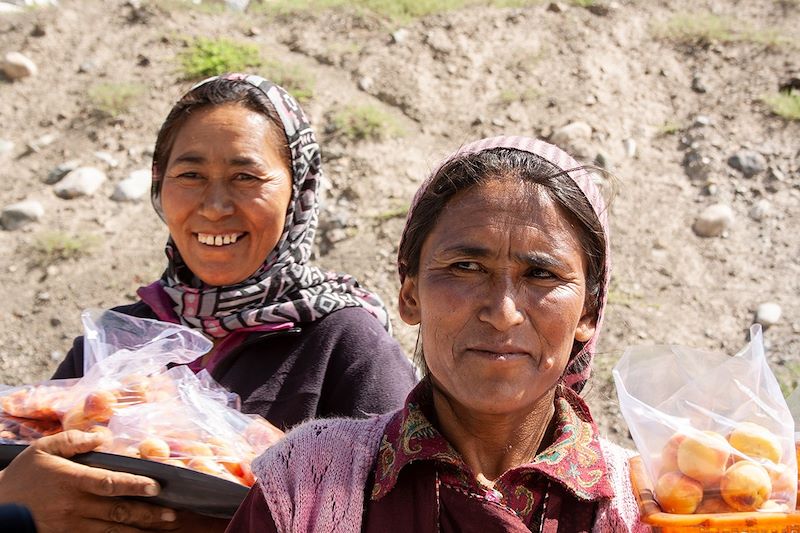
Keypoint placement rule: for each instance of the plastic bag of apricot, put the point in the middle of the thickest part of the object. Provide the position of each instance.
(714, 431)
(144, 406)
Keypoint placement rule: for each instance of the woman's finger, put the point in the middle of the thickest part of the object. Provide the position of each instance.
(68, 443)
(130, 513)
(102, 482)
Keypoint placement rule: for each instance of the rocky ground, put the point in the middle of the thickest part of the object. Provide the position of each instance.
(707, 203)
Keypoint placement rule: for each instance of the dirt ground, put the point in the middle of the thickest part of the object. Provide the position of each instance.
(443, 79)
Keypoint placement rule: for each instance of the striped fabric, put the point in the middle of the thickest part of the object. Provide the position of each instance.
(579, 368)
(285, 288)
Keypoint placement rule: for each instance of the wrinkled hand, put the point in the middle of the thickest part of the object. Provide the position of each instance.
(66, 496)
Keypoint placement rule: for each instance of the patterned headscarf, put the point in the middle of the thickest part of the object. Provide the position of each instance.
(579, 367)
(284, 289)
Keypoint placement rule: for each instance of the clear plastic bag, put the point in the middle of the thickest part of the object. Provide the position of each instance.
(144, 408)
(714, 431)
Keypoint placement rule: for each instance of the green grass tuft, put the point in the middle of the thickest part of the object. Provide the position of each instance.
(114, 99)
(785, 104)
(705, 28)
(211, 57)
(54, 246)
(396, 10)
(365, 122)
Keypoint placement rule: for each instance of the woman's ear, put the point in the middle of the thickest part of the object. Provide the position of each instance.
(586, 326)
(408, 301)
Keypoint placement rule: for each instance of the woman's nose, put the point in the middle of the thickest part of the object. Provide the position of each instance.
(501, 307)
(217, 202)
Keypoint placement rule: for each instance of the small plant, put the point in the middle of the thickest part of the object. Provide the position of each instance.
(394, 212)
(401, 11)
(366, 122)
(114, 99)
(785, 104)
(669, 128)
(55, 246)
(703, 28)
(211, 57)
(583, 3)
(296, 80)
(528, 94)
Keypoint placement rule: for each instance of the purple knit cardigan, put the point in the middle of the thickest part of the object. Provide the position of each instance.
(314, 480)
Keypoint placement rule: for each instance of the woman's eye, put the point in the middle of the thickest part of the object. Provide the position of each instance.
(469, 266)
(246, 177)
(540, 273)
(189, 176)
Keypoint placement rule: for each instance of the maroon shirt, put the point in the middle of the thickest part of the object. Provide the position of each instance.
(421, 484)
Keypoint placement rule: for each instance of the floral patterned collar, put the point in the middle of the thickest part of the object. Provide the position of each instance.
(574, 460)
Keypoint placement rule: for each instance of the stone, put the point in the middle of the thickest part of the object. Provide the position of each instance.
(57, 355)
(38, 31)
(37, 144)
(17, 66)
(60, 171)
(760, 210)
(16, 215)
(748, 162)
(698, 85)
(768, 314)
(86, 67)
(365, 83)
(134, 187)
(630, 148)
(697, 165)
(601, 159)
(6, 147)
(439, 40)
(572, 133)
(702, 120)
(107, 158)
(400, 36)
(83, 181)
(556, 7)
(713, 221)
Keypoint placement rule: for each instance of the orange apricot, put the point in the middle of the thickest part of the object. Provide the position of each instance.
(677, 493)
(703, 457)
(154, 448)
(745, 486)
(756, 442)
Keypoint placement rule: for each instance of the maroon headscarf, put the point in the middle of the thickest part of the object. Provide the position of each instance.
(579, 367)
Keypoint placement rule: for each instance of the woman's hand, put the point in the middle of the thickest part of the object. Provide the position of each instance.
(66, 496)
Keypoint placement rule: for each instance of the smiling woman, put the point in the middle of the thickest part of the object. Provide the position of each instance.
(236, 172)
(226, 189)
(504, 266)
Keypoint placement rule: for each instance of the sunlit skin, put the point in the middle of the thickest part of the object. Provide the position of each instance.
(226, 176)
(500, 300)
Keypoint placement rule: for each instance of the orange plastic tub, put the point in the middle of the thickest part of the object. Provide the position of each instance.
(754, 522)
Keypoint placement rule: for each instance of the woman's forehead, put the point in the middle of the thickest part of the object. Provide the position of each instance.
(500, 206)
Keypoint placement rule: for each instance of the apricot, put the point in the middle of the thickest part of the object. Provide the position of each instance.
(154, 448)
(669, 454)
(745, 486)
(76, 419)
(99, 405)
(756, 442)
(713, 505)
(703, 457)
(783, 482)
(773, 506)
(190, 449)
(677, 493)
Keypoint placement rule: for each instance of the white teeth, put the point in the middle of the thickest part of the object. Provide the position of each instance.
(217, 240)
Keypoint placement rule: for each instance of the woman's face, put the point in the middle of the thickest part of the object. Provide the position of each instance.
(499, 297)
(226, 191)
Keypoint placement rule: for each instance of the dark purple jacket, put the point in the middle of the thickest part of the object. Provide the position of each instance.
(344, 364)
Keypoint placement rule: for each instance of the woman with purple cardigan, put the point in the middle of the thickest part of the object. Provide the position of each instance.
(236, 176)
(504, 264)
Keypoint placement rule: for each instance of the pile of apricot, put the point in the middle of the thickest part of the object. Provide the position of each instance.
(706, 472)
